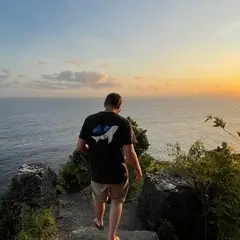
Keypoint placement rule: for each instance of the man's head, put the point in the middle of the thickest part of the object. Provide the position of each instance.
(113, 102)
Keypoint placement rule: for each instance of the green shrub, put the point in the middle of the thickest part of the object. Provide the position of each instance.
(8, 218)
(37, 224)
(142, 144)
(20, 222)
(216, 174)
(75, 176)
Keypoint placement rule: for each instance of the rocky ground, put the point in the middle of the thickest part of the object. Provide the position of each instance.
(90, 233)
(75, 221)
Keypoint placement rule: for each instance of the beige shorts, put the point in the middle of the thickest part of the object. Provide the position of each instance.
(101, 192)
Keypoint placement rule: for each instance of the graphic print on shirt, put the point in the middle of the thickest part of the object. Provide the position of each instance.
(102, 132)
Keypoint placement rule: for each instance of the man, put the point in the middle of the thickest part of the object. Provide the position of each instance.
(108, 138)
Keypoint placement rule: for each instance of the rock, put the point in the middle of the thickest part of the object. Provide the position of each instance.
(34, 185)
(91, 233)
(171, 206)
(79, 212)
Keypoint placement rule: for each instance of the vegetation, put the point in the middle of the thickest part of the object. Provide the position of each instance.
(39, 225)
(7, 228)
(24, 223)
(228, 201)
(74, 176)
(220, 123)
(141, 144)
(215, 175)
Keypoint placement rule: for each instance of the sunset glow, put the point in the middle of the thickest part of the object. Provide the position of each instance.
(71, 48)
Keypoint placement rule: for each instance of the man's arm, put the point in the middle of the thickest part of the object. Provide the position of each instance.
(128, 147)
(82, 146)
(133, 159)
(83, 136)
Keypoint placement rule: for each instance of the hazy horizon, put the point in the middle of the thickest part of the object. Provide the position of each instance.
(167, 97)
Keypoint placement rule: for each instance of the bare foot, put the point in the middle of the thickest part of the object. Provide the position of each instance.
(116, 238)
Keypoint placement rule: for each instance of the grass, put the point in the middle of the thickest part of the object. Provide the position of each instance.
(37, 225)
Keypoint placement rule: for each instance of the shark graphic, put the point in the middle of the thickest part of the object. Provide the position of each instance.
(106, 132)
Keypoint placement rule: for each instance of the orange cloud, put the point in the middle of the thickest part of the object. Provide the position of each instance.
(75, 62)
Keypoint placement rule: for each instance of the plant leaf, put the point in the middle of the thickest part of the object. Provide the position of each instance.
(209, 117)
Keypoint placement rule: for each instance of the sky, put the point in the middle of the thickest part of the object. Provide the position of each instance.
(86, 48)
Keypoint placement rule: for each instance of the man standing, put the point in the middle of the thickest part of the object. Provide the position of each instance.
(108, 139)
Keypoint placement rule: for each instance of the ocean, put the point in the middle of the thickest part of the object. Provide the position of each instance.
(46, 130)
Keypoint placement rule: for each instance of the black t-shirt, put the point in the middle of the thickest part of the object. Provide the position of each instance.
(106, 133)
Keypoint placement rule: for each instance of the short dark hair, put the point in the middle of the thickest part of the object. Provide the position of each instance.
(113, 100)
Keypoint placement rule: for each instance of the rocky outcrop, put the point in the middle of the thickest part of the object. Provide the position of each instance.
(34, 185)
(171, 206)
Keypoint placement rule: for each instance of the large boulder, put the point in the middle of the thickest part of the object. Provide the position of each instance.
(172, 207)
(34, 185)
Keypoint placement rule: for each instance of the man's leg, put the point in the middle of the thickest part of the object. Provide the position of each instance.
(114, 218)
(118, 193)
(99, 195)
(99, 208)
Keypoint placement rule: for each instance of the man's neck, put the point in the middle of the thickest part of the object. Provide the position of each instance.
(110, 109)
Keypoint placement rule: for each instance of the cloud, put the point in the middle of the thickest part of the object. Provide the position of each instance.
(218, 86)
(42, 63)
(142, 83)
(21, 76)
(75, 62)
(138, 78)
(143, 87)
(39, 84)
(167, 84)
(230, 28)
(54, 76)
(152, 88)
(5, 70)
(6, 84)
(4, 74)
(72, 80)
(105, 65)
(135, 87)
